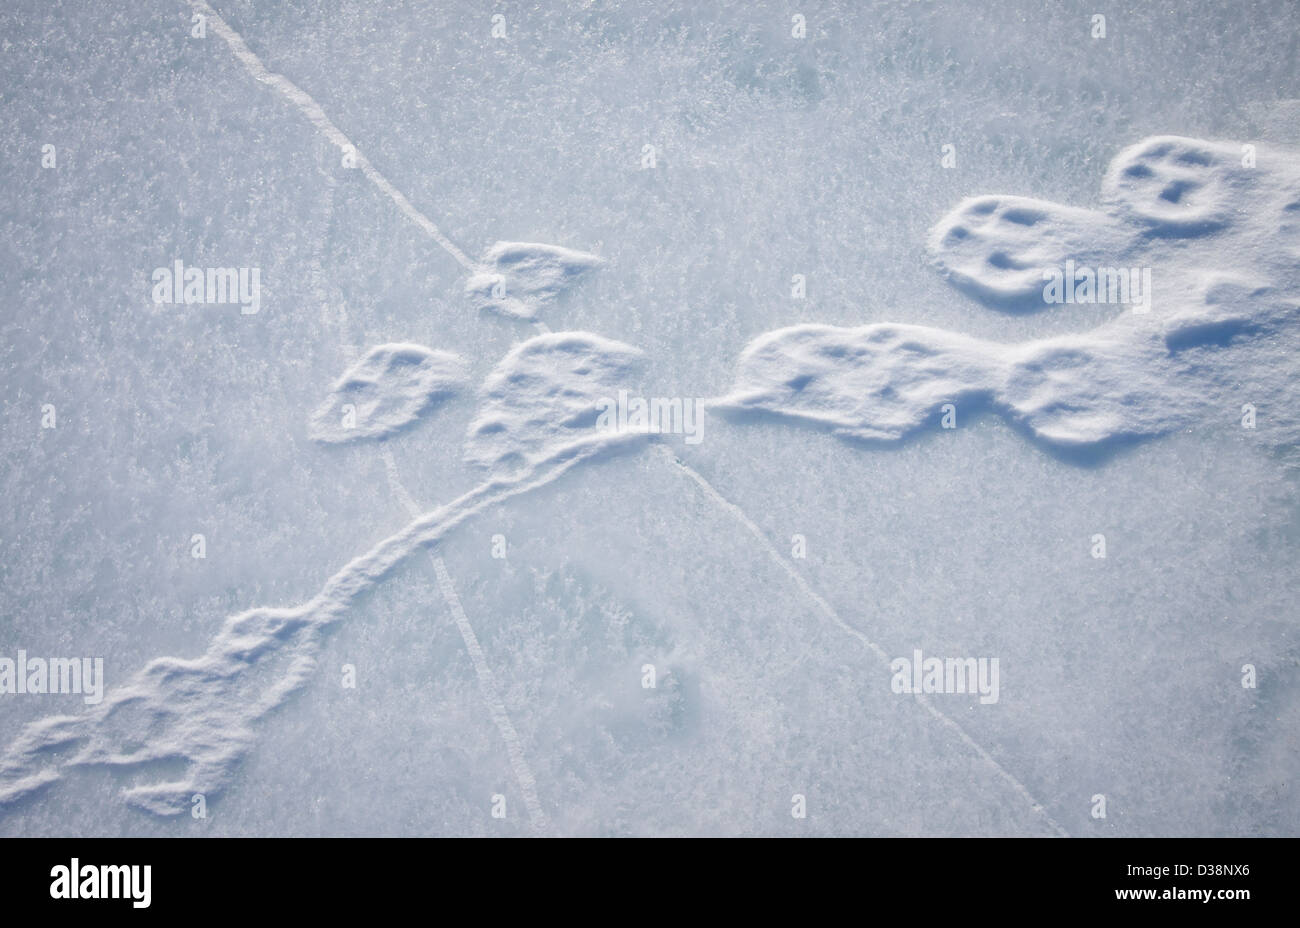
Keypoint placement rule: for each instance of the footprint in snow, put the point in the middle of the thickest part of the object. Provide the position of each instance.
(1131, 377)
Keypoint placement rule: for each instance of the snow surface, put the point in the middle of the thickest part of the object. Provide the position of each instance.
(518, 278)
(566, 559)
(386, 390)
(1126, 378)
(544, 397)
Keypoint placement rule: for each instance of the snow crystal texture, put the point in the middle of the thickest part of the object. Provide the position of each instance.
(363, 560)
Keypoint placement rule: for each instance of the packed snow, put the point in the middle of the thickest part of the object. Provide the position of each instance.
(919, 440)
(520, 278)
(386, 390)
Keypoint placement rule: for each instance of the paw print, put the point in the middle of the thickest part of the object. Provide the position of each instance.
(997, 248)
(1178, 187)
(1182, 205)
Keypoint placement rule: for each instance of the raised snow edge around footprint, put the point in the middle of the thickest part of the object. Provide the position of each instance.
(518, 279)
(1127, 377)
(996, 247)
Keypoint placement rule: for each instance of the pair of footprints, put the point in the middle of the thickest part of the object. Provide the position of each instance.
(1213, 225)
(1168, 187)
(875, 382)
(880, 381)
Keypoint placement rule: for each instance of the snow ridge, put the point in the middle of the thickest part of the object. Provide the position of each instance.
(1130, 377)
(542, 398)
(202, 711)
(517, 279)
(386, 390)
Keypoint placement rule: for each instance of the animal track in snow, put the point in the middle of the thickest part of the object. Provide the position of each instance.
(542, 397)
(997, 247)
(538, 413)
(1128, 377)
(1176, 186)
(513, 278)
(200, 712)
(388, 389)
(518, 278)
(880, 382)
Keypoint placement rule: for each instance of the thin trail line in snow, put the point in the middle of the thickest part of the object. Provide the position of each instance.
(316, 267)
(739, 515)
(486, 681)
(312, 110)
(317, 116)
(199, 724)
